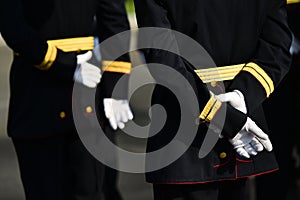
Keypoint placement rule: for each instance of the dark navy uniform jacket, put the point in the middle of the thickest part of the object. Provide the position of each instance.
(251, 40)
(46, 37)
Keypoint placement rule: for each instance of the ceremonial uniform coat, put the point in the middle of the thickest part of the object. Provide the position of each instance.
(252, 35)
(41, 76)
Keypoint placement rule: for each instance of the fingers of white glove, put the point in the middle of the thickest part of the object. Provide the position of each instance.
(250, 150)
(235, 98)
(92, 78)
(240, 103)
(88, 68)
(242, 138)
(226, 97)
(221, 97)
(113, 122)
(92, 69)
(128, 111)
(121, 125)
(107, 107)
(117, 116)
(81, 58)
(257, 145)
(89, 83)
(129, 114)
(246, 137)
(109, 113)
(240, 94)
(231, 97)
(266, 143)
(237, 144)
(89, 77)
(242, 152)
(253, 128)
(94, 73)
(124, 117)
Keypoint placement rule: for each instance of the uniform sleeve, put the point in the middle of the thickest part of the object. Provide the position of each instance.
(152, 13)
(271, 62)
(111, 20)
(32, 47)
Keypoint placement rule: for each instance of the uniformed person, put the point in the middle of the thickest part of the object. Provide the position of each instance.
(284, 136)
(248, 39)
(51, 42)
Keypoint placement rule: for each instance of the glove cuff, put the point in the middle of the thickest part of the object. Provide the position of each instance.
(231, 119)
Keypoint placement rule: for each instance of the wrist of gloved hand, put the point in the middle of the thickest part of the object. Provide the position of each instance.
(234, 98)
(229, 120)
(235, 112)
(117, 112)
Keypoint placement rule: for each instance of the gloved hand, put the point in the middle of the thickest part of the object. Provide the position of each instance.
(235, 98)
(118, 112)
(86, 73)
(251, 139)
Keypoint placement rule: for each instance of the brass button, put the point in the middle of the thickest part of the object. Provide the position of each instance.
(222, 155)
(88, 109)
(62, 115)
(213, 83)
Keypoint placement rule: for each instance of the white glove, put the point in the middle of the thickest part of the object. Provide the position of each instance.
(86, 73)
(250, 139)
(118, 112)
(235, 98)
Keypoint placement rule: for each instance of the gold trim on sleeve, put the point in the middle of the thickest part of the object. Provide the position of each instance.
(292, 1)
(74, 44)
(261, 76)
(214, 110)
(210, 109)
(116, 66)
(211, 75)
(49, 58)
(219, 73)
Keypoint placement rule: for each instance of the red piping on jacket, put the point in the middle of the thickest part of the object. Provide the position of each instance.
(209, 181)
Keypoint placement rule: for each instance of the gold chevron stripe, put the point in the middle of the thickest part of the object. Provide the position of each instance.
(116, 66)
(219, 73)
(292, 1)
(74, 44)
(261, 76)
(210, 109)
(49, 58)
